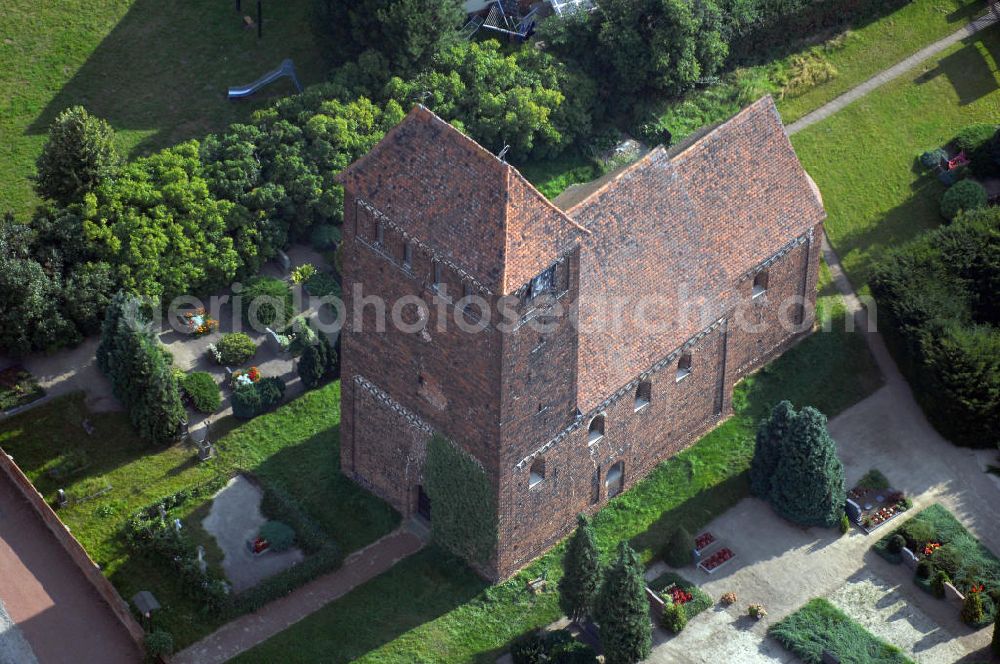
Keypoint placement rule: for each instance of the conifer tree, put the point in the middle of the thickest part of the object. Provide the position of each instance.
(622, 610)
(581, 572)
(771, 435)
(808, 482)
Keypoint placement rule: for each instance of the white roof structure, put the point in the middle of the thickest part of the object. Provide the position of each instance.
(567, 7)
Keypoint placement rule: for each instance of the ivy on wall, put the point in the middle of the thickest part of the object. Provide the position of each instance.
(464, 512)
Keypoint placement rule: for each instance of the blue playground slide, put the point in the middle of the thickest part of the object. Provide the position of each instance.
(286, 68)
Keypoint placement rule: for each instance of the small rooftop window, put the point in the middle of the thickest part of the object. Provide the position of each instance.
(759, 283)
(683, 366)
(537, 473)
(543, 283)
(596, 429)
(642, 395)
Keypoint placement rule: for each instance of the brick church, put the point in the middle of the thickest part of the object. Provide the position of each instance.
(633, 304)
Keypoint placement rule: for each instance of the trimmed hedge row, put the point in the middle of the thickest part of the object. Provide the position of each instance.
(939, 300)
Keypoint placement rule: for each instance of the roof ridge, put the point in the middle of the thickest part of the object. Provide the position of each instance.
(765, 100)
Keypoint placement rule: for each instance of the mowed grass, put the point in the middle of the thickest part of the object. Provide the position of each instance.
(110, 474)
(822, 68)
(467, 620)
(157, 71)
(864, 157)
(820, 626)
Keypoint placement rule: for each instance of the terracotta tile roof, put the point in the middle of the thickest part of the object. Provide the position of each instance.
(462, 201)
(680, 230)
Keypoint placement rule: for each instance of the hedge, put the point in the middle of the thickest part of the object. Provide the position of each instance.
(939, 306)
(203, 391)
(249, 401)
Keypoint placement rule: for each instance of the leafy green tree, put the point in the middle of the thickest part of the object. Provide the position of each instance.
(972, 609)
(622, 612)
(808, 486)
(31, 318)
(581, 572)
(408, 33)
(524, 99)
(771, 434)
(87, 294)
(662, 46)
(78, 156)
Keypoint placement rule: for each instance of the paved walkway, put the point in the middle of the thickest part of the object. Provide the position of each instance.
(250, 630)
(891, 73)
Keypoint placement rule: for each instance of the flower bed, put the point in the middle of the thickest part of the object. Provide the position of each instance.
(877, 506)
(17, 388)
(199, 323)
(943, 544)
(243, 377)
(674, 588)
(716, 560)
(703, 541)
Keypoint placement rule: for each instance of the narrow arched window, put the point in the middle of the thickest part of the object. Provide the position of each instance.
(596, 429)
(537, 473)
(684, 366)
(615, 480)
(759, 284)
(642, 395)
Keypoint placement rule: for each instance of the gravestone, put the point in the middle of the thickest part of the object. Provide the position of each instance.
(853, 511)
(284, 261)
(275, 341)
(61, 499)
(909, 558)
(952, 595)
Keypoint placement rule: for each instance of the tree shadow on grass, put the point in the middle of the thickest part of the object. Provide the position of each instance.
(967, 70)
(166, 70)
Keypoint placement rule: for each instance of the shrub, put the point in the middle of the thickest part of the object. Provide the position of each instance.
(317, 363)
(679, 549)
(279, 535)
(925, 569)
(962, 196)
(674, 617)
(937, 583)
(933, 158)
(556, 647)
(972, 137)
(203, 391)
(159, 643)
(845, 524)
(728, 598)
(917, 533)
(235, 348)
(77, 157)
(896, 543)
(322, 284)
(756, 611)
(249, 401)
(266, 301)
(874, 479)
(324, 237)
(303, 272)
(972, 609)
(995, 643)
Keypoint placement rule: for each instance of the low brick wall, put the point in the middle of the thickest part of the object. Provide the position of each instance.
(73, 548)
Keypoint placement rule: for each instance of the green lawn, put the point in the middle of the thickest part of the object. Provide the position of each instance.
(817, 73)
(820, 626)
(295, 448)
(864, 157)
(470, 621)
(157, 71)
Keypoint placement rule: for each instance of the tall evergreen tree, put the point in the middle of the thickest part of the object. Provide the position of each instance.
(129, 354)
(622, 611)
(581, 572)
(312, 366)
(808, 485)
(771, 435)
(79, 154)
